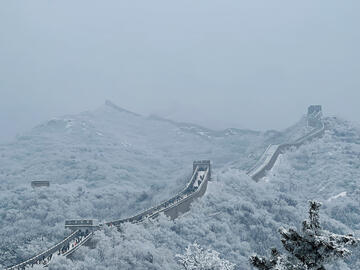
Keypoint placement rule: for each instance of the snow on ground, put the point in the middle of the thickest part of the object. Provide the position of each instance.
(272, 173)
(199, 178)
(105, 164)
(97, 177)
(342, 194)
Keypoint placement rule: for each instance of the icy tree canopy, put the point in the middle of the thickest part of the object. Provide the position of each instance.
(313, 248)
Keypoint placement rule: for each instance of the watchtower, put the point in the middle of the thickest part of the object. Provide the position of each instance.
(89, 225)
(203, 165)
(314, 115)
(36, 184)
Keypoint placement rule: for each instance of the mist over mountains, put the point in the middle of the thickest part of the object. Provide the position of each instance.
(111, 163)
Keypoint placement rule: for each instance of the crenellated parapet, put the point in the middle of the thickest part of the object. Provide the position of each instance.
(85, 225)
(195, 188)
(202, 165)
(44, 257)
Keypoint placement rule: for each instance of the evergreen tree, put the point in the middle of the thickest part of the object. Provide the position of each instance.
(309, 250)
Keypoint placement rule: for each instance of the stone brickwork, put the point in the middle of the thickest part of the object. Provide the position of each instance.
(314, 115)
(36, 184)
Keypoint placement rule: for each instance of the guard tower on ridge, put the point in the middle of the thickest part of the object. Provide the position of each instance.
(314, 115)
(203, 165)
(89, 225)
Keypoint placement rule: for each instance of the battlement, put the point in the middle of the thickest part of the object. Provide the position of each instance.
(82, 224)
(202, 165)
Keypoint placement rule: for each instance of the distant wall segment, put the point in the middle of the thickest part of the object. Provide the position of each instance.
(271, 154)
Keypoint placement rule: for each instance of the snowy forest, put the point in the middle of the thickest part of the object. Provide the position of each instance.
(179, 135)
(110, 163)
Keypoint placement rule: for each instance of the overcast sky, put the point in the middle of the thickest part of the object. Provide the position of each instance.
(246, 64)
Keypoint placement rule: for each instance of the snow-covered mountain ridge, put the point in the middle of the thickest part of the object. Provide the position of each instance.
(95, 160)
(91, 172)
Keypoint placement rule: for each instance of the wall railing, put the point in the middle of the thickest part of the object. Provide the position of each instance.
(45, 254)
(188, 192)
(268, 159)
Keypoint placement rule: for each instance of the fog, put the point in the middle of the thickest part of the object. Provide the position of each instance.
(245, 64)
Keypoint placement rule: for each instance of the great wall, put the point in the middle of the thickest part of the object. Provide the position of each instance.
(271, 154)
(83, 230)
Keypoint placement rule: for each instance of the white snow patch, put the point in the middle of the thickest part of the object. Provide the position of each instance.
(274, 169)
(264, 160)
(199, 178)
(201, 133)
(342, 194)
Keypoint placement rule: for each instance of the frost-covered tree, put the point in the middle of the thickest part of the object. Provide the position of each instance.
(276, 261)
(309, 250)
(198, 258)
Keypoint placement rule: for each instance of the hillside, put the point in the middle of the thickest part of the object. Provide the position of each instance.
(112, 163)
(105, 164)
(238, 217)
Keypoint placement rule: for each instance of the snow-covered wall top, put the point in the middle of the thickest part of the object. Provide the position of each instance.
(182, 195)
(269, 157)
